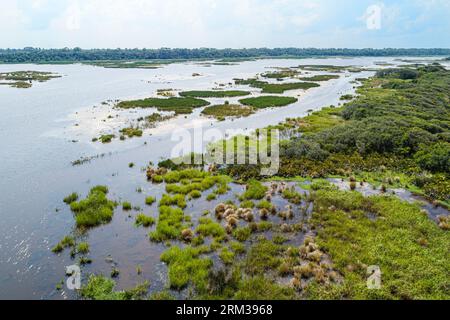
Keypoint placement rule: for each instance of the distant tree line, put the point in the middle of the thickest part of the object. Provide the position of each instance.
(37, 55)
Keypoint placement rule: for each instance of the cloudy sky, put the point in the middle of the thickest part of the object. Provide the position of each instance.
(224, 23)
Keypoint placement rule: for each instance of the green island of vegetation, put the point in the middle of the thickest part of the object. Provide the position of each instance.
(276, 87)
(25, 79)
(227, 110)
(268, 101)
(284, 73)
(214, 94)
(319, 78)
(183, 105)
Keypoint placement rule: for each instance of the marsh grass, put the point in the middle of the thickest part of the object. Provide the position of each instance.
(71, 198)
(178, 105)
(186, 266)
(228, 111)
(214, 94)
(268, 101)
(95, 209)
(143, 220)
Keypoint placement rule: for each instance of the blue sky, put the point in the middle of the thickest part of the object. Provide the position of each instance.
(224, 23)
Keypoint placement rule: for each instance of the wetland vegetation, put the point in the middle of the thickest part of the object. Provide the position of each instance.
(25, 79)
(183, 105)
(310, 232)
(276, 87)
(214, 94)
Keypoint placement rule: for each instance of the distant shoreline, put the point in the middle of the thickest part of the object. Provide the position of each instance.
(166, 55)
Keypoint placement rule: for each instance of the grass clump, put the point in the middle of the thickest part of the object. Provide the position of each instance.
(209, 228)
(170, 224)
(268, 101)
(127, 206)
(96, 209)
(145, 221)
(106, 138)
(71, 198)
(247, 204)
(261, 288)
(176, 200)
(211, 197)
(186, 266)
(255, 191)
(262, 257)
(150, 200)
(264, 204)
(66, 242)
(226, 256)
(102, 288)
(237, 247)
(195, 194)
(214, 94)
(242, 234)
(83, 247)
(131, 132)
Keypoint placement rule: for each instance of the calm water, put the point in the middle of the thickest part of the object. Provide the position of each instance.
(39, 139)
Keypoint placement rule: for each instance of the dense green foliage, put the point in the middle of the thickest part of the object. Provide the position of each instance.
(410, 249)
(268, 101)
(95, 209)
(78, 54)
(276, 87)
(223, 111)
(403, 126)
(214, 94)
(177, 105)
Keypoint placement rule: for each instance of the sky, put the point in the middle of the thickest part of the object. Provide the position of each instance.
(224, 23)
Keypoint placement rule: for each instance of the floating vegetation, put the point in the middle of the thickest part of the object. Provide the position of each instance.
(95, 209)
(268, 101)
(223, 111)
(25, 79)
(178, 105)
(214, 94)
